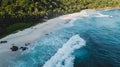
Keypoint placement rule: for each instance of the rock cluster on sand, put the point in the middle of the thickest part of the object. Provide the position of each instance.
(16, 48)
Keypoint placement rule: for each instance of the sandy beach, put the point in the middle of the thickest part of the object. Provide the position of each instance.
(32, 34)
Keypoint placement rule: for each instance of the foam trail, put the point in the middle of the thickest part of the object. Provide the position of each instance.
(71, 22)
(102, 15)
(93, 13)
(64, 57)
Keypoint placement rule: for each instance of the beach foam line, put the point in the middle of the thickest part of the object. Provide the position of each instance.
(94, 13)
(64, 57)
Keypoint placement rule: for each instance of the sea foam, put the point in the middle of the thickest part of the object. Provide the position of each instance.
(64, 57)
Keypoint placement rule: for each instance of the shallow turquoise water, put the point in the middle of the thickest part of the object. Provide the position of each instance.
(100, 30)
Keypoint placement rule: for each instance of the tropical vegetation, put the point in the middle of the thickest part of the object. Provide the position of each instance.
(19, 14)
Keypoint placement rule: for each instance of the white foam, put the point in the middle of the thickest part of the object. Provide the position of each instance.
(64, 57)
(102, 15)
(99, 15)
(95, 13)
(71, 22)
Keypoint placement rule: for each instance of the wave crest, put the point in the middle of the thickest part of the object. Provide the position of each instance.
(64, 57)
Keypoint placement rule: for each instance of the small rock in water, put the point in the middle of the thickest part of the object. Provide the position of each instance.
(14, 48)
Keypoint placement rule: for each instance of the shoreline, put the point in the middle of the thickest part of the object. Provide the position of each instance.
(96, 9)
(32, 34)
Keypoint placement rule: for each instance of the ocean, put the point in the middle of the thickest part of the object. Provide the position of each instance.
(91, 41)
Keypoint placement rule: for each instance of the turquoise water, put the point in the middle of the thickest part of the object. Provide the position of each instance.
(101, 32)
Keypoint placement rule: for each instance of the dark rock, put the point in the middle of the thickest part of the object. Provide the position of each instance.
(46, 34)
(3, 42)
(14, 48)
(63, 63)
(23, 48)
(26, 44)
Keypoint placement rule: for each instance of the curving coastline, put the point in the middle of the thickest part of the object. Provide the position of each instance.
(32, 34)
(15, 43)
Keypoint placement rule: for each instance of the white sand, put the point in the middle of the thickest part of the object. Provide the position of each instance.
(32, 34)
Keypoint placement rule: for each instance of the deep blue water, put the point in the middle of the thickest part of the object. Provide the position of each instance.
(100, 30)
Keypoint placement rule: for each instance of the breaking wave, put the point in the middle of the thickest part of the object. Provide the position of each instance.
(64, 57)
